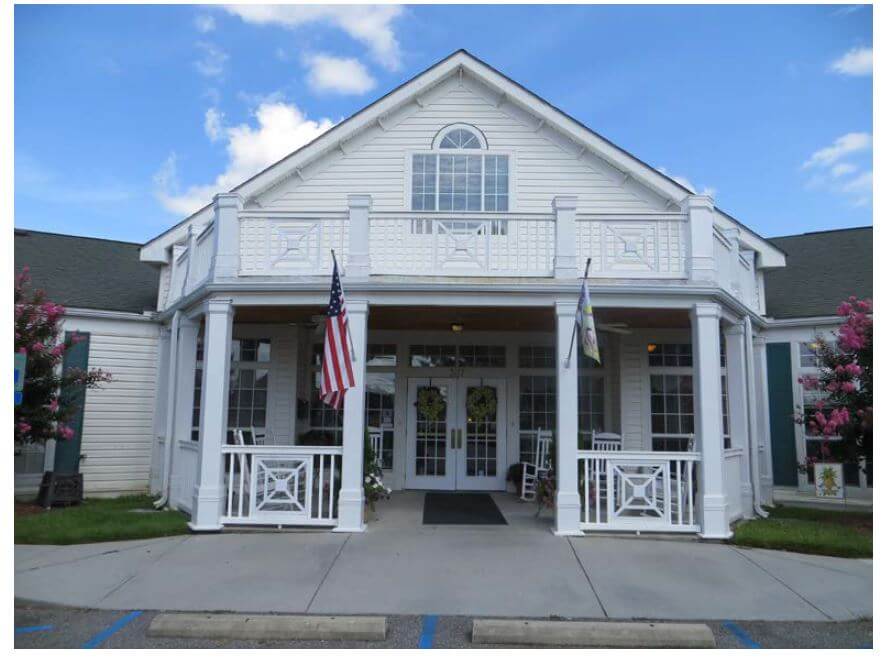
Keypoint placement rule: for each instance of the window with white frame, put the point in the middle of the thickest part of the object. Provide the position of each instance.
(537, 387)
(248, 389)
(454, 178)
(810, 365)
(326, 423)
(671, 396)
(725, 398)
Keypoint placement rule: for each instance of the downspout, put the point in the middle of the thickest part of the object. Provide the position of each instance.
(171, 399)
(753, 433)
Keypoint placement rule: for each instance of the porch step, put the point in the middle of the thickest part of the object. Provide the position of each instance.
(592, 634)
(267, 627)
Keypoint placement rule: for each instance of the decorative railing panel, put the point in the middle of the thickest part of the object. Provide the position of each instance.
(462, 245)
(201, 261)
(293, 485)
(631, 248)
(288, 245)
(638, 491)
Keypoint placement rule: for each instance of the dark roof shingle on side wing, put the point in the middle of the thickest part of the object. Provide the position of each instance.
(83, 272)
(823, 269)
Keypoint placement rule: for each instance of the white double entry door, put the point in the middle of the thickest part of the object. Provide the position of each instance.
(449, 446)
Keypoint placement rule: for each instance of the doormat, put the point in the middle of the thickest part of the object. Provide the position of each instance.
(461, 508)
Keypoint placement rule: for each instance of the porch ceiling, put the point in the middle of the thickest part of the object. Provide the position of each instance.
(434, 318)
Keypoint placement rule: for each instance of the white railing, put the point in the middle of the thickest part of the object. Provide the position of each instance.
(274, 244)
(633, 247)
(638, 491)
(201, 260)
(293, 485)
(185, 467)
(434, 244)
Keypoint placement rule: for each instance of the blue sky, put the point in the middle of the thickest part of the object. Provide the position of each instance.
(128, 116)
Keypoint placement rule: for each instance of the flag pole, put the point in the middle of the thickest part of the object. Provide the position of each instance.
(349, 334)
(573, 335)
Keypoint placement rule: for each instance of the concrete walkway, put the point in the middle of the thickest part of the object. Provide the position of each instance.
(400, 566)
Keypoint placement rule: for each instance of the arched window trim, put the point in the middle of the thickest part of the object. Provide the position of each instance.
(445, 130)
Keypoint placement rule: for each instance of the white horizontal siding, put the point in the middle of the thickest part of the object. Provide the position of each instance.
(118, 417)
(541, 168)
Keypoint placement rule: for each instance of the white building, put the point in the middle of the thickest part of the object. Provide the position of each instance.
(463, 209)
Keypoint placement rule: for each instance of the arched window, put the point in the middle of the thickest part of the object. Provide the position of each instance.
(453, 178)
(460, 139)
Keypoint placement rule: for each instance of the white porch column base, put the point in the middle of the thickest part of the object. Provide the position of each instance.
(567, 501)
(351, 501)
(709, 429)
(213, 416)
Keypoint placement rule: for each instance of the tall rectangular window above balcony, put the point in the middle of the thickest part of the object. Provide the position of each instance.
(423, 182)
(460, 182)
(496, 183)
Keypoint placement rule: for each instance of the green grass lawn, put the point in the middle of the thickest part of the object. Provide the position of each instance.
(97, 520)
(811, 531)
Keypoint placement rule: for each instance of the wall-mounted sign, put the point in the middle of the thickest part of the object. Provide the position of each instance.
(21, 360)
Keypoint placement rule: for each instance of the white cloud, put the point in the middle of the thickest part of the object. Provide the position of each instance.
(849, 143)
(204, 22)
(281, 129)
(687, 184)
(337, 74)
(214, 124)
(211, 61)
(368, 24)
(840, 169)
(857, 62)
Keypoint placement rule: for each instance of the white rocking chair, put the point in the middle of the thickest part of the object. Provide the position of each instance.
(532, 472)
(375, 437)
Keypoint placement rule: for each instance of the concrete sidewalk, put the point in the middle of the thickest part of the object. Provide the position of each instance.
(400, 566)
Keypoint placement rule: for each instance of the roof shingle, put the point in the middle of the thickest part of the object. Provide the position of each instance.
(823, 269)
(84, 272)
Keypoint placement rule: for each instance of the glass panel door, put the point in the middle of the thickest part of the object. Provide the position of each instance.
(481, 440)
(431, 459)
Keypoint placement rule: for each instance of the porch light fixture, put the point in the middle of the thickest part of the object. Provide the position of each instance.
(651, 347)
(456, 327)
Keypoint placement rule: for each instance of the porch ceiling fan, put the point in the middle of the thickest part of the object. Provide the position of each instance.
(615, 327)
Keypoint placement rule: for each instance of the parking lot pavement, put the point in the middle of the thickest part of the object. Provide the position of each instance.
(38, 626)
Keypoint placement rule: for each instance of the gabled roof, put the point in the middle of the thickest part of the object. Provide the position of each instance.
(82, 272)
(824, 268)
(509, 91)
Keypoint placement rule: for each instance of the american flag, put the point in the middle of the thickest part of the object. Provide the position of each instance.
(337, 368)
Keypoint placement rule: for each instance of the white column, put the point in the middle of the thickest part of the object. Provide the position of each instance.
(181, 402)
(351, 504)
(358, 262)
(737, 396)
(213, 415)
(226, 236)
(567, 503)
(700, 237)
(707, 395)
(761, 424)
(564, 207)
(734, 268)
(160, 409)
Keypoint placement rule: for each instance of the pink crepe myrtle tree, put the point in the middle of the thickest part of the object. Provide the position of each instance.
(845, 380)
(46, 409)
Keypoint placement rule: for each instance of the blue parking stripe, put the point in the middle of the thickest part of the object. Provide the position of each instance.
(740, 634)
(428, 634)
(34, 628)
(104, 635)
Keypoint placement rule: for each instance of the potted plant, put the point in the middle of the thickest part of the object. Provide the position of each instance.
(375, 490)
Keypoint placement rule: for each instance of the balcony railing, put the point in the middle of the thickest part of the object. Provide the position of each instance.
(284, 244)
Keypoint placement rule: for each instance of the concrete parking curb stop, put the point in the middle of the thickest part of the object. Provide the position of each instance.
(591, 634)
(258, 626)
